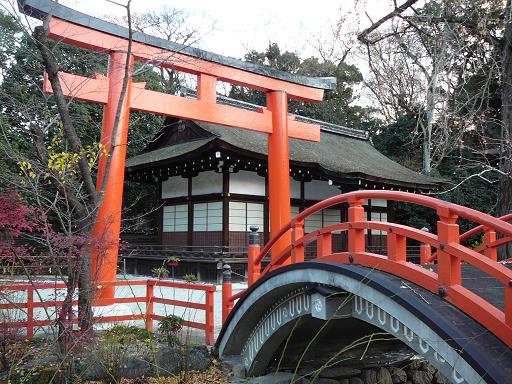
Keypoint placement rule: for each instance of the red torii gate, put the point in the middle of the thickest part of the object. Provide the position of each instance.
(75, 28)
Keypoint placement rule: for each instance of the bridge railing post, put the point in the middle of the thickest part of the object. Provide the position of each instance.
(253, 251)
(30, 312)
(150, 289)
(449, 268)
(227, 292)
(508, 304)
(324, 244)
(356, 240)
(209, 320)
(397, 249)
(489, 237)
(425, 250)
(297, 249)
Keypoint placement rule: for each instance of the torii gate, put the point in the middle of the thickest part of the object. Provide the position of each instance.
(75, 28)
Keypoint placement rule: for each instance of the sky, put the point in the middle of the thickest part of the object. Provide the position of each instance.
(232, 28)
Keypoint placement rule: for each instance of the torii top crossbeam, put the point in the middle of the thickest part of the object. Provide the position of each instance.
(78, 29)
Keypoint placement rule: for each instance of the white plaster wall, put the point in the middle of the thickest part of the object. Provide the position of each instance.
(319, 190)
(294, 188)
(377, 202)
(206, 183)
(247, 183)
(175, 186)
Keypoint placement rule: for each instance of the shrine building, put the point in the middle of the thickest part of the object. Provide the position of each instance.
(213, 180)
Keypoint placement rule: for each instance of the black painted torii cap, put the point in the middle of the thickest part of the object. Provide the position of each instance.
(40, 9)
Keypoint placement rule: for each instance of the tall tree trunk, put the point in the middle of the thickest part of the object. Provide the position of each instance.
(82, 215)
(504, 204)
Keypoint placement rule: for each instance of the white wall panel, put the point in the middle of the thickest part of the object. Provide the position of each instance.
(206, 183)
(247, 183)
(243, 215)
(294, 188)
(175, 218)
(319, 190)
(208, 216)
(175, 186)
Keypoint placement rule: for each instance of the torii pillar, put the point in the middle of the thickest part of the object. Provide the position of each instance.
(107, 227)
(278, 172)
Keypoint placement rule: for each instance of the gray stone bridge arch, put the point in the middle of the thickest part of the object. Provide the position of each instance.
(455, 344)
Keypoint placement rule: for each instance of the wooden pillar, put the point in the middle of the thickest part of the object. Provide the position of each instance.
(356, 239)
(108, 222)
(490, 237)
(253, 251)
(209, 318)
(449, 268)
(225, 208)
(150, 289)
(266, 215)
(279, 171)
(227, 292)
(302, 203)
(369, 240)
(190, 208)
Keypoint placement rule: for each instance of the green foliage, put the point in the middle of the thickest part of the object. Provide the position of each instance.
(126, 334)
(398, 142)
(190, 277)
(170, 327)
(336, 107)
(160, 273)
(40, 374)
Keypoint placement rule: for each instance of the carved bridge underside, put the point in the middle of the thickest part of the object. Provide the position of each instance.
(451, 341)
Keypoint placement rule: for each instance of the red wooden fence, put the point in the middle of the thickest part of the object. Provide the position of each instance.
(30, 323)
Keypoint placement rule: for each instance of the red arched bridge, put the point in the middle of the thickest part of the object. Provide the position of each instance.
(456, 312)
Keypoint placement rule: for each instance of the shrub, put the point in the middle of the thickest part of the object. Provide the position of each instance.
(128, 333)
(190, 277)
(169, 327)
(160, 273)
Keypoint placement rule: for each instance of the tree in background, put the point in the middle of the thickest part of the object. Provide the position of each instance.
(448, 64)
(337, 107)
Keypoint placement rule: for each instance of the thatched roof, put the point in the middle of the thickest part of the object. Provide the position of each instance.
(341, 152)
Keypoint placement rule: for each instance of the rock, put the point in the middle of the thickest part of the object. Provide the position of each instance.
(398, 375)
(356, 380)
(344, 381)
(46, 360)
(273, 378)
(369, 376)
(197, 358)
(415, 364)
(238, 371)
(440, 378)
(233, 366)
(91, 369)
(420, 377)
(134, 365)
(383, 376)
(339, 372)
(324, 380)
(306, 371)
(168, 361)
(428, 368)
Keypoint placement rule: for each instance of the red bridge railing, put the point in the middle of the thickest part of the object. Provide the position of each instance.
(450, 253)
(490, 244)
(30, 323)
